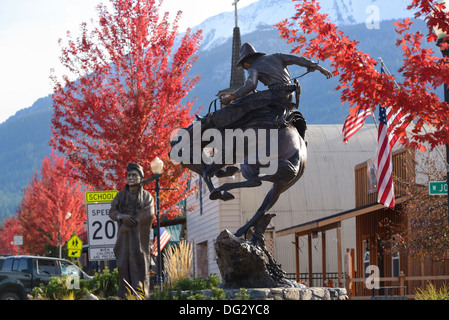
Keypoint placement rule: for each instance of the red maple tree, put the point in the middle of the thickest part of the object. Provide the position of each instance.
(125, 99)
(10, 228)
(52, 207)
(363, 86)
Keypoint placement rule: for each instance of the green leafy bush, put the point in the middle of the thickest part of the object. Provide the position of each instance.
(190, 289)
(61, 288)
(104, 284)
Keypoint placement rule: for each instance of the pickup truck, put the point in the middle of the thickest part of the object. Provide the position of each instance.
(20, 274)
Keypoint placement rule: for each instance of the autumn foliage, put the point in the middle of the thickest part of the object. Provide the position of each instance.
(52, 207)
(363, 86)
(121, 98)
(10, 228)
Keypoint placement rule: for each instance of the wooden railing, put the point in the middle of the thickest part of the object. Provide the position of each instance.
(400, 282)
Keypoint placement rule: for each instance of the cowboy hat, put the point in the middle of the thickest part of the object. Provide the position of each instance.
(246, 51)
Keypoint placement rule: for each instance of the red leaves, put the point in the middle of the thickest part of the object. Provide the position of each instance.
(402, 26)
(10, 228)
(47, 200)
(362, 85)
(127, 98)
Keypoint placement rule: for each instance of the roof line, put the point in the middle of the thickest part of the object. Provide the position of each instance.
(330, 221)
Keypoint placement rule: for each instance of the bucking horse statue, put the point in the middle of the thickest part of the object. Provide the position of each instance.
(251, 125)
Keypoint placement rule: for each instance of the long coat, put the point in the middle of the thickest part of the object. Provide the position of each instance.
(133, 248)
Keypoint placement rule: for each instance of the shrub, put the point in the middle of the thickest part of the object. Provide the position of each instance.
(242, 295)
(431, 293)
(61, 288)
(104, 284)
(190, 289)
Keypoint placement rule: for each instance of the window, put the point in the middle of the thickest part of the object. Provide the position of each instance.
(366, 257)
(23, 265)
(46, 267)
(7, 265)
(15, 265)
(366, 263)
(395, 260)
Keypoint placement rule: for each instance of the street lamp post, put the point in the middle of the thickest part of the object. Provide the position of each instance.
(443, 37)
(67, 217)
(156, 167)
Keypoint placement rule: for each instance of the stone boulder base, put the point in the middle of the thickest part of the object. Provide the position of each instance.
(244, 265)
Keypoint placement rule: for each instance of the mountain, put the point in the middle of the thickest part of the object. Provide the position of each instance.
(265, 13)
(24, 141)
(24, 137)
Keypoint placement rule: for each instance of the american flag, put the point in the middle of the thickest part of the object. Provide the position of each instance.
(388, 122)
(353, 123)
(165, 236)
(385, 187)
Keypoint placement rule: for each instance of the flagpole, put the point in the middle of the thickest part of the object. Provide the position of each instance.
(387, 72)
(374, 118)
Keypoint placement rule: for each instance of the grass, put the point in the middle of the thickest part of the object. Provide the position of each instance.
(178, 263)
(432, 293)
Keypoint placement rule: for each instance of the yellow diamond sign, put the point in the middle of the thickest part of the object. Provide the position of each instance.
(74, 243)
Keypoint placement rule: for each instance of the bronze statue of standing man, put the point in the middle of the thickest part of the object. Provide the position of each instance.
(133, 209)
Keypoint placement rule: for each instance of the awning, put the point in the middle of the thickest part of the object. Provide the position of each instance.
(332, 221)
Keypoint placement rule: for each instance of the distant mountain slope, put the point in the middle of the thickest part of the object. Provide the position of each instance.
(24, 141)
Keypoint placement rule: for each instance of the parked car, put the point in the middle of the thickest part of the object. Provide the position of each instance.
(20, 274)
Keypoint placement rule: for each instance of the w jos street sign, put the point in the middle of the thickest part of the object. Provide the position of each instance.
(438, 188)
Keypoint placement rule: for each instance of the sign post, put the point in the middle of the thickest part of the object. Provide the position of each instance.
(102, 231)
(18, 241)
(437, 188)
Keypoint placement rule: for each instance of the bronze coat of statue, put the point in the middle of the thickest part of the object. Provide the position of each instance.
(133, 209)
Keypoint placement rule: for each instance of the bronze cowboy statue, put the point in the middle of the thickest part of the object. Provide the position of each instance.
(272, 71)
(246, 109)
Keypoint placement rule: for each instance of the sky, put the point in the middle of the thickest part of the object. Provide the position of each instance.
(29, 33)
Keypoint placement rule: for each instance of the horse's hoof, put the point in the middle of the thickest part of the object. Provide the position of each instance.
(240, 232)
(230, 171)
(215, 194)
(226, 196)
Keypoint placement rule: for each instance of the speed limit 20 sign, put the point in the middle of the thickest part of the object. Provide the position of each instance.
(102, 231)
